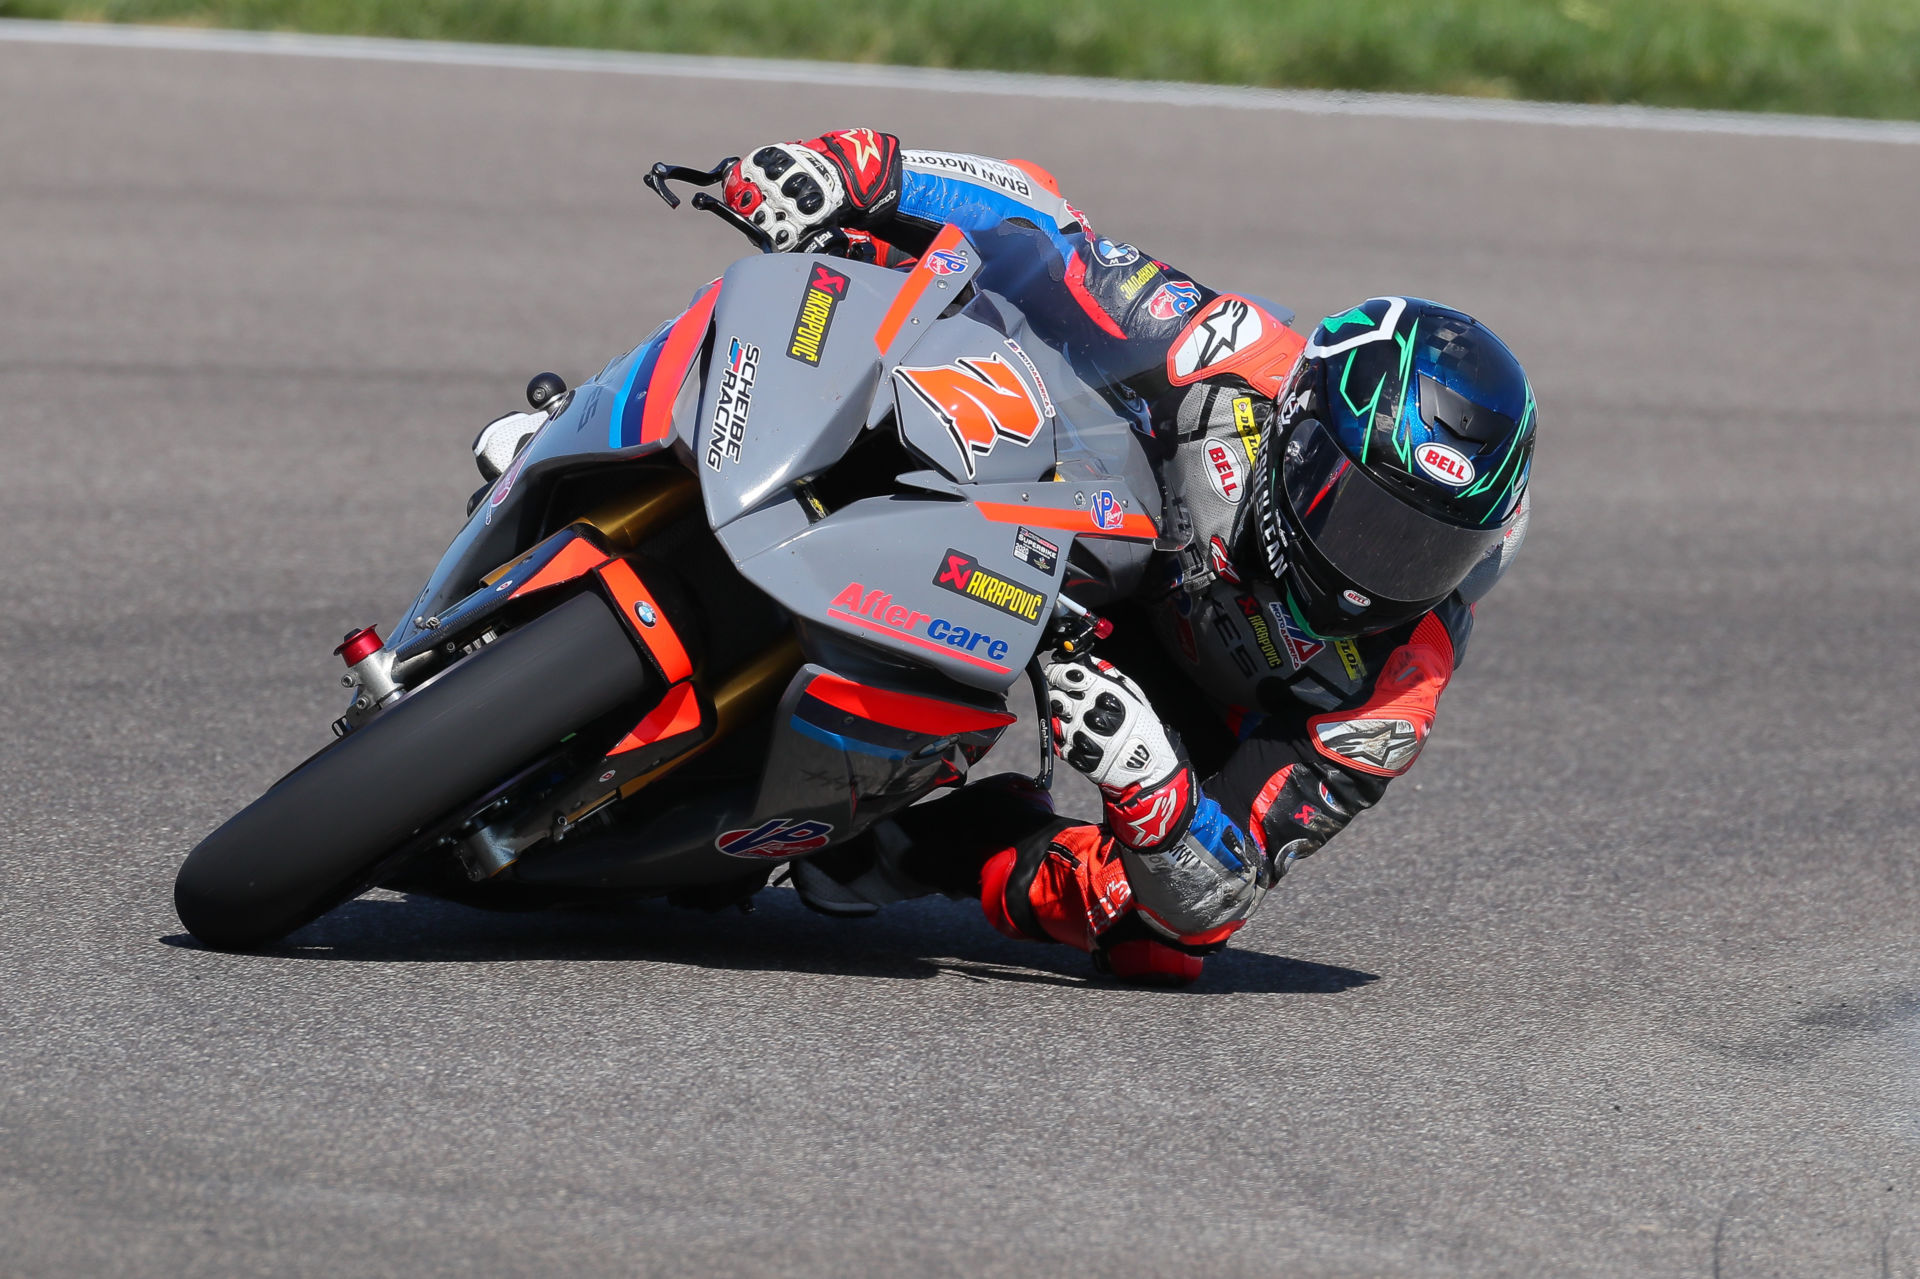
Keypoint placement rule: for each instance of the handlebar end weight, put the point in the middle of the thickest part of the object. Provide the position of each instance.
(544, 389)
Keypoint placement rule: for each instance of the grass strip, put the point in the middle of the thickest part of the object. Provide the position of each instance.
(1820, 57)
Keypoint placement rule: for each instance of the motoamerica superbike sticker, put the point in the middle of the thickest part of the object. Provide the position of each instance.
(962, 574)
(776, 839)
(824, 292)
(735, 402)
(1030, 548)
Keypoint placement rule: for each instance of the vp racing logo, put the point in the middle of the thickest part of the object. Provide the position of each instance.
(980, 400)
(733, 404)
(775, 839)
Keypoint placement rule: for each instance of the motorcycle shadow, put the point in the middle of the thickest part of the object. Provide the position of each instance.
(913, 941)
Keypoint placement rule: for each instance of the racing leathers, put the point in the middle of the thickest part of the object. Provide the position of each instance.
(1227, 741)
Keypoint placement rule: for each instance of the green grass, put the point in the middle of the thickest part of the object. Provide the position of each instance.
(1838, 57)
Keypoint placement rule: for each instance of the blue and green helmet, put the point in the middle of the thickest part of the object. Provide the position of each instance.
(1402, 452)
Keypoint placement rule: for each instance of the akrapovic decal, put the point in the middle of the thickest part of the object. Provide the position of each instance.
(962, 574)
(824, 292)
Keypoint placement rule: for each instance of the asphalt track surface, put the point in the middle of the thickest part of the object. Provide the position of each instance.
(1622, 980)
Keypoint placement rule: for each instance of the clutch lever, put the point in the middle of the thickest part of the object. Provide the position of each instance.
(660, 175)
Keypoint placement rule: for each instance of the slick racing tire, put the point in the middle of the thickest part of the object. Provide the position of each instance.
(317, 837)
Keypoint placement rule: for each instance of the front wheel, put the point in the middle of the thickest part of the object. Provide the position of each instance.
(316, 837)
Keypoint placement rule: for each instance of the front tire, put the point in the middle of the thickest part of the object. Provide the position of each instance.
(316, 837)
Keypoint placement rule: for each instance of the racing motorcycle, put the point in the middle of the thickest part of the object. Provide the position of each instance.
(764, 580)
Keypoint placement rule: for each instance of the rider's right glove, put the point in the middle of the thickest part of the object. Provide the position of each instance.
(1193, 875)
(1104, 727)
(802, 193)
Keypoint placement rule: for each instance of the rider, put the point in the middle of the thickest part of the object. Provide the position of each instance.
(1340, 505)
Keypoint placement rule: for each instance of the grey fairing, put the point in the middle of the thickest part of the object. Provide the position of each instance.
(804, 419)
(589, 431)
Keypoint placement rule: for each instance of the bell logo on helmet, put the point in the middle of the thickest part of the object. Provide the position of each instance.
(1448, 465)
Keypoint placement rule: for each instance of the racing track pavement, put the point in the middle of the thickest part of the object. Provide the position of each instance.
(1622, 980)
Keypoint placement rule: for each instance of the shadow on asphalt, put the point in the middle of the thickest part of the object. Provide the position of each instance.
(914, 941)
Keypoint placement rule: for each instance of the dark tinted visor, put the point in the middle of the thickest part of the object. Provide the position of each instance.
(1385, 546)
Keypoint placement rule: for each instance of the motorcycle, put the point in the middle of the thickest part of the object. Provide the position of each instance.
(764, 580)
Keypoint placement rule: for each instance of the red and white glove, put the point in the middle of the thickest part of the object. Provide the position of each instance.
(1104, 727)
(800, 193)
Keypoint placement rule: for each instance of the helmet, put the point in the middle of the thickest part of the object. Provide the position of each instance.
(1398, 459)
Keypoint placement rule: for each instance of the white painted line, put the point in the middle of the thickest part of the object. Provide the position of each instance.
(1405, 106)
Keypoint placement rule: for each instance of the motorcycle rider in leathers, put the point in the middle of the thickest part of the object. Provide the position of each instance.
(1339, 504)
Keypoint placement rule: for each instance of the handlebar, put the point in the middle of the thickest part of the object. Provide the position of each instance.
(661, 174)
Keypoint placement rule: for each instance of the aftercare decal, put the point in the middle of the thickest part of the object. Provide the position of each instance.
(1262, 633)
(946, 262)
(734, 403)
(1106, 511)
(1231, 325)
(1388, 745)
(962, 574)
(776, 839)
(1223, 468)
(1032, 549)
(1301, 647)
(823, 294)
(980, 399)
(1173, 299)
(1115, 253)
(876, 610)
(1446, 464)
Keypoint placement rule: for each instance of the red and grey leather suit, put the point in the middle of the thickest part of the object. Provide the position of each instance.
(1290, 736)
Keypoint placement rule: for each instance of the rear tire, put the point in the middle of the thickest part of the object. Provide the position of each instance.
(317, 836)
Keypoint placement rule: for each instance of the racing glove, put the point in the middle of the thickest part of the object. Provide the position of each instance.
(1104, 728)
(803, 193)
(1193, 877)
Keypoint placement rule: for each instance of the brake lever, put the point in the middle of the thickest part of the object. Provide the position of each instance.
(660, 175)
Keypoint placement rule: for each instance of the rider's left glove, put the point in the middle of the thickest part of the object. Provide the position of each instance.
(1104, 727)
(802, 193)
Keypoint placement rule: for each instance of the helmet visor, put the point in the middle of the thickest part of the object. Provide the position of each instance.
(1375, 539)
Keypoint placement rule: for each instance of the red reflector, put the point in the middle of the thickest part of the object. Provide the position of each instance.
(1102, 628)
(358, 645)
